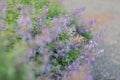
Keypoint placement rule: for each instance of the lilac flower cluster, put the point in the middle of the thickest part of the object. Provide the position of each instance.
(3, 6)
(63, 25)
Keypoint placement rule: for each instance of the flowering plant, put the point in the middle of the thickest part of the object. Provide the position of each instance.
(44, 41)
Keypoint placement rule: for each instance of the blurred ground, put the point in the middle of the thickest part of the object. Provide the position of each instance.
(107, 14)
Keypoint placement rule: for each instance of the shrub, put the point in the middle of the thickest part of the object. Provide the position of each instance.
(41, 41)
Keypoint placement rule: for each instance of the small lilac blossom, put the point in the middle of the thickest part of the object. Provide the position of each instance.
(39, 40)
(67, 49)
(98, 52)
(31, 52)
(44, 11)
(2, 25)
(48, 67)
(58, 78)
(25, 21)
(41, 22)
(93, 22)
(25, 18)
(48, 40)
(90, 77)
(93, 59)
(78, 12)
(26, 10)
(3, 6)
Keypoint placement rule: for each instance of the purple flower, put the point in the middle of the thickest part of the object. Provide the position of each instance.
(41, 22)
(3, 6)
(48, 40)
(78, 12)
(93, 59)
(65, 75)
(2, 25)
(48, 67)
(67, 49)
(93, 21)
(69, 67)
(32, 51)
(90, 77)
(58, 70)
(39, 41)
(58, 78)
(76, 45)
(44, 11)
(25, 21)
(98, 52)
